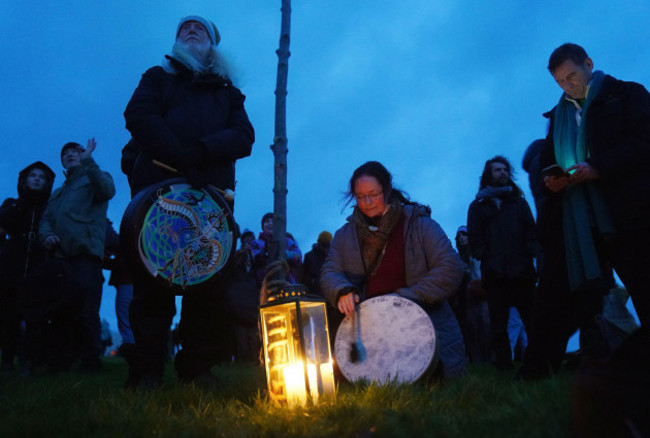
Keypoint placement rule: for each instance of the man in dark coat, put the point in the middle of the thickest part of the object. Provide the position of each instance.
(244, 301)
(597, 210)
(19, 219)
(501, 232)
(530, 163)
(186, 115)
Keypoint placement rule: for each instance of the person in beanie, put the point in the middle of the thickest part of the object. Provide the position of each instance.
(73, 228)
(188, 115)
(185, 118)
(261, 256)
(19, 219)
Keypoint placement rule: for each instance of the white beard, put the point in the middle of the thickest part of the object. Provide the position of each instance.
(195, 58)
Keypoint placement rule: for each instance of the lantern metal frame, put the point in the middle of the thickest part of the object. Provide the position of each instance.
(297, 351)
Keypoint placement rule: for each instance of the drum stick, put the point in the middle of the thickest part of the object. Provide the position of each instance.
(228, 194)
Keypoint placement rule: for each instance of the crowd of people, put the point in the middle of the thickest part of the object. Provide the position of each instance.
(513, 288)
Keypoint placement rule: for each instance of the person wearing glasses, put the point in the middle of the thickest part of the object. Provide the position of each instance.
(390, 245)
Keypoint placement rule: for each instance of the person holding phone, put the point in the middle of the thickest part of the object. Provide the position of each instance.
(597, 212)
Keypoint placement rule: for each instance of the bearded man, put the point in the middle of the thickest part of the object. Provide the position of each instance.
(188, 115)
(501, 232)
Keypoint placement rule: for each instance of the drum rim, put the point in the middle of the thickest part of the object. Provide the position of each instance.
(133, 221)
(431, 361)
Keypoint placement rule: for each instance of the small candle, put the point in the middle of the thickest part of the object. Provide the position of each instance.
(327, 377)
(294, 382)
(313, 382)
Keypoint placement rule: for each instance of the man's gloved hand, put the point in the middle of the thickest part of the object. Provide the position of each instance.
(196, 177)
(192, 156)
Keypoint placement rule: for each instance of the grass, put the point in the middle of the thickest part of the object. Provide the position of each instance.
(484, 403)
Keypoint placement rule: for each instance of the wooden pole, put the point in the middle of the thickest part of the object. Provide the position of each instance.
(279, 146)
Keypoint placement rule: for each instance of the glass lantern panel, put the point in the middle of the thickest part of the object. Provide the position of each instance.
(296, 349)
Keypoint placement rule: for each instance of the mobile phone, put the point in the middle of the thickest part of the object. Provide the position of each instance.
(554, 170)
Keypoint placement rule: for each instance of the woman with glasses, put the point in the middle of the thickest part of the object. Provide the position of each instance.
(390, 245)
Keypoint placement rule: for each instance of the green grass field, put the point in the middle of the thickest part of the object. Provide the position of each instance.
(484, 403)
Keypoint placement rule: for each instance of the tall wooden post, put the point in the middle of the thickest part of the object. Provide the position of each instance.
(279, 146)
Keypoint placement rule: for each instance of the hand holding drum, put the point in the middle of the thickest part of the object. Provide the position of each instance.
(227, 194)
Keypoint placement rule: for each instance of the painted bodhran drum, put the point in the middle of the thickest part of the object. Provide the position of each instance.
(180, 236)
(389, 339)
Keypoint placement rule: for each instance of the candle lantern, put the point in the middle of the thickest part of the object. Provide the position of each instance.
(297, 351)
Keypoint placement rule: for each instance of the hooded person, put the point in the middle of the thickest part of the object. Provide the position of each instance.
(19, 219)
(186, 118)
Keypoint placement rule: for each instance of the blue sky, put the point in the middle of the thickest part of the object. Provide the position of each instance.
(431, 89)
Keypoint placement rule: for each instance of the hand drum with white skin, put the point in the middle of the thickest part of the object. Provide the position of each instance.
(397, 337)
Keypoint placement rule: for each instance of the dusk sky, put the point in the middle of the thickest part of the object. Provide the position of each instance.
(431, 89)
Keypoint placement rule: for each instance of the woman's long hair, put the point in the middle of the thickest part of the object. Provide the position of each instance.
(377, 170)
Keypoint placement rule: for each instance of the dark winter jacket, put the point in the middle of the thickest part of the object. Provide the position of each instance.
(244, 289)
(261, 257)
(618, 138)
(114, 258)
(311, 267)
(186, 122)
(530, 164)
(20, 219)
(502, 238)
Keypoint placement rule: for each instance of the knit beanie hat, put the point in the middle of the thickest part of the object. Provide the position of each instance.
(247, 232)
(70, 145)
(212, 30)
(325, 237)
(265, 217)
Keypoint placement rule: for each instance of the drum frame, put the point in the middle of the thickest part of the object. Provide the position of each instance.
(384, 338)
(201, 233)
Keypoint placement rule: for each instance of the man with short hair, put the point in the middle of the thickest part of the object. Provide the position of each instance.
(73, 227)
(501, 232)
(597, 212)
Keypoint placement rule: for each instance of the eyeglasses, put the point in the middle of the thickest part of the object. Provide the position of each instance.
(368, 197)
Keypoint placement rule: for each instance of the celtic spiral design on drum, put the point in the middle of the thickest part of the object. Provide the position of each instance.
(185, 237)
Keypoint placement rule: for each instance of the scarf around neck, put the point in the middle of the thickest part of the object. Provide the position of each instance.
(373, 237)
(584, 210)
(494, 193)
